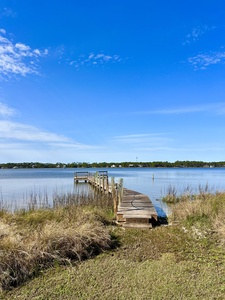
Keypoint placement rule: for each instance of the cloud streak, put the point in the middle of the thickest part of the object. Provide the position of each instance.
(141, 141)
(18, 131)
(217, 108)
(15, 134)
(18, 58)
(137, 138)
(203, 61)
(94, 59)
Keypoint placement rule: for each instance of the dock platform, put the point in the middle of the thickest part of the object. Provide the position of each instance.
(136, 210)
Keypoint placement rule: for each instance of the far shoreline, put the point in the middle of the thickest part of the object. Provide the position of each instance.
(133, 165)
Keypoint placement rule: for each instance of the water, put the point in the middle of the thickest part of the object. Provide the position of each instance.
(17, 185)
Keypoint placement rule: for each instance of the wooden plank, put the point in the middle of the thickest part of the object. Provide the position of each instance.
(127, 208)
(136, 203)
(138, 225)
(138, 212)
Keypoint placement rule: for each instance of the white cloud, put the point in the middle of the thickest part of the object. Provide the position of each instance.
(22, 47)
(37, 52)
(140, 140)
(18, 131)
(5, 110)
(23, 142)
(217, 108)
(2, 31)
(203, 61)
(195, 34)
(94, 59)
(18, 58)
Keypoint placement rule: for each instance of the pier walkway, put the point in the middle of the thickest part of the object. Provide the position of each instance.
(131, 208)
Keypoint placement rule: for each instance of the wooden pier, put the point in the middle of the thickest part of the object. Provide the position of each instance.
(131, 208)
(136, 210)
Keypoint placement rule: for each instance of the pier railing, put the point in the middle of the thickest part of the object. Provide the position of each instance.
(80, 176)
(100, 181)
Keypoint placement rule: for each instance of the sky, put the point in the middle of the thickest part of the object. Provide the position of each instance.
(112, 81)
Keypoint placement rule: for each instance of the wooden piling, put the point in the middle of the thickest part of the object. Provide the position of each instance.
(114, 197)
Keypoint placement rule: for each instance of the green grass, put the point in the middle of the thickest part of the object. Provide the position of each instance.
(185, 260)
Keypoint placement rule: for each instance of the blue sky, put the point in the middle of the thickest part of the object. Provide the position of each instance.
(112, 81)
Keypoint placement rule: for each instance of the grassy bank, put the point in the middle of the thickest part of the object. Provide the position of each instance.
(185, 260)
(36, 239)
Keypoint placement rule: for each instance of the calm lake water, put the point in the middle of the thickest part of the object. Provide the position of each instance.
(17, 185)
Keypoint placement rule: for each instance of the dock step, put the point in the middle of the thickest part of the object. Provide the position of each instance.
(139, 226)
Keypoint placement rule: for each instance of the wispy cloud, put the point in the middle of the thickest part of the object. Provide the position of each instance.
(94, 59)
(7, 12)
(23, 132)
(216, 108)
(158, 144)
(17, 58)
(14, 135)
(203, 61)
(195, 34)
(5, 110)
(142, 139)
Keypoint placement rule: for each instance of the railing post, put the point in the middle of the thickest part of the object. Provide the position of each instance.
(95, 179)
(120, 191)
(98, 181)
(103, 183)
(107, 184)
(114, 196)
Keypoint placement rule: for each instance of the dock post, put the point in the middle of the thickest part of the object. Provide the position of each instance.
(120, 191)
(103, 183)
(98, 182)
(113, 191)
(95, 179)
(107, 184)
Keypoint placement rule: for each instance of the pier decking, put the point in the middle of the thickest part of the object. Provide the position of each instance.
(136, 210)
(131, 208)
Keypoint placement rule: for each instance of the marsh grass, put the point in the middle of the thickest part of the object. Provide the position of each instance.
(35, 238)
(173, 195)
(202, 217)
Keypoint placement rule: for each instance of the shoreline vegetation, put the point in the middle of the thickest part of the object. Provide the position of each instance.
(188, 194)
(38, 238)
(153, 164)
(75, 250)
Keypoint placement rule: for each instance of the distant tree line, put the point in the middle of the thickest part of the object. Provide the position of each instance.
(154, 164)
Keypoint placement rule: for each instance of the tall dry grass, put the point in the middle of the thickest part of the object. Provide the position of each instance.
(38, 238)
(173, 195)
(206, 211)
